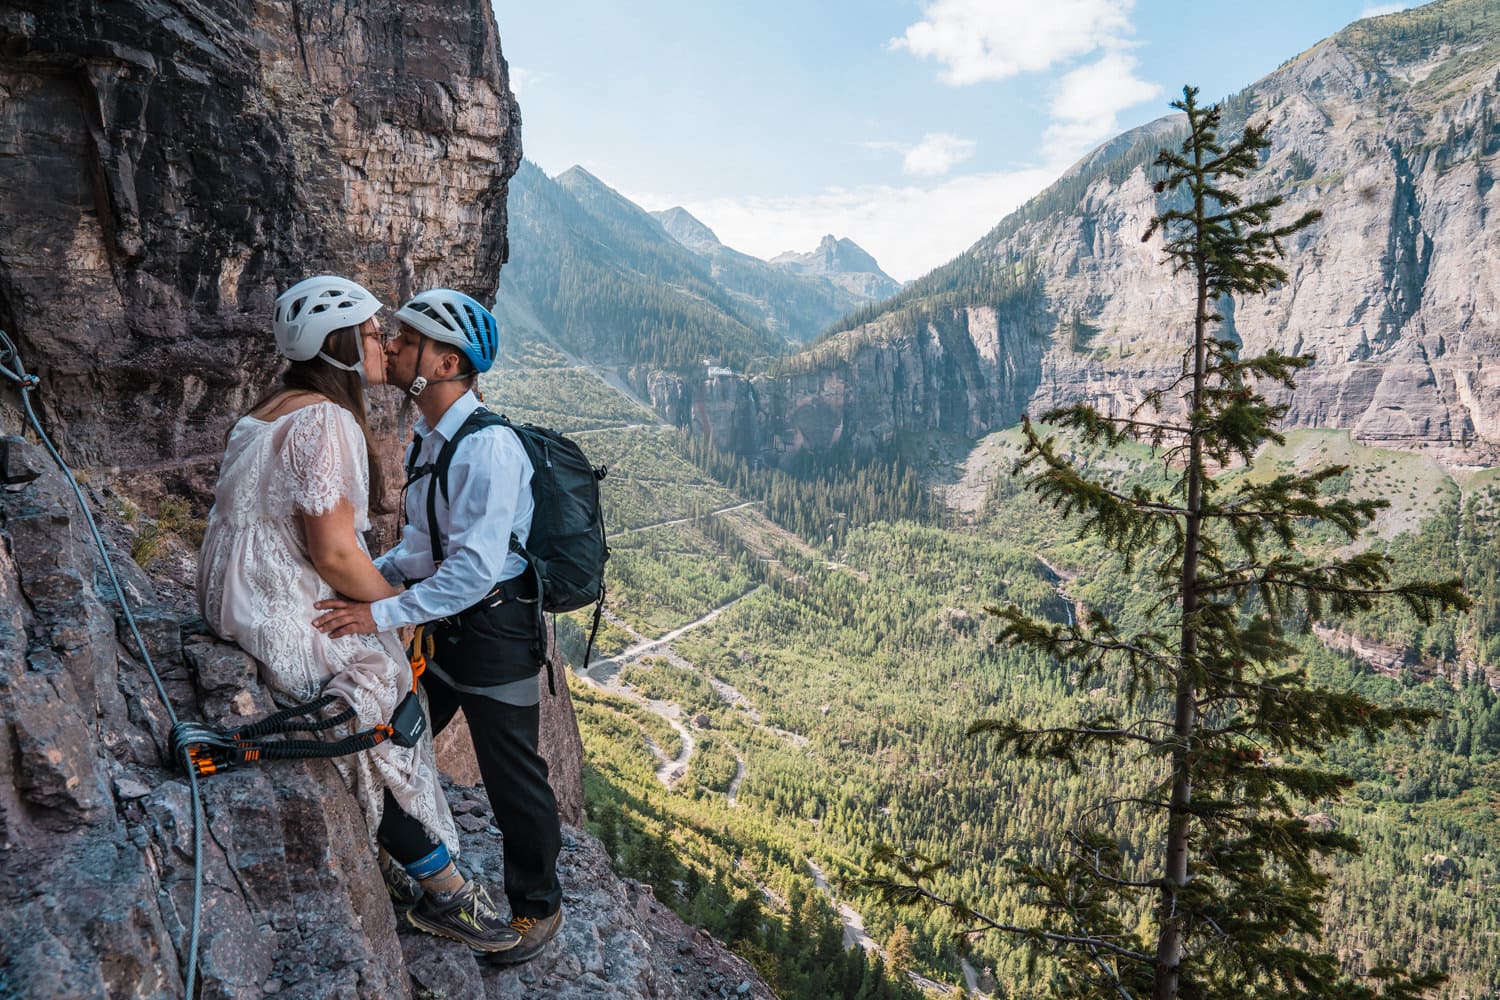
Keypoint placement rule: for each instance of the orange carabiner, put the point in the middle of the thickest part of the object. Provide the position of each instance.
(417, 656)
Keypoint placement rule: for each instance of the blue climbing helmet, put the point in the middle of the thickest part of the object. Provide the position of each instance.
(454, 318)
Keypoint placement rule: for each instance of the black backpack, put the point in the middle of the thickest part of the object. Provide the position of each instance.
(566, 548)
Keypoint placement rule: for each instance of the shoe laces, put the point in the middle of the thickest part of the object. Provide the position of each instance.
(478, 901)
(521, 925)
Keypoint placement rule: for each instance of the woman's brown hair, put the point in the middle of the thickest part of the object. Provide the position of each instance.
(346, 389)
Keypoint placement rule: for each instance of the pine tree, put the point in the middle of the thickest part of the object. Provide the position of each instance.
(898, 949)
(1220, 719)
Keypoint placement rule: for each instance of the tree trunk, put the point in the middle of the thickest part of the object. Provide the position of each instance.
(1185, 714)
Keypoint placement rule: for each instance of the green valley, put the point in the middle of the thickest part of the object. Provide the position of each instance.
(828, 646)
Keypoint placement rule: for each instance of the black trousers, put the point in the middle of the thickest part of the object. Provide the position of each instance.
(515, 778)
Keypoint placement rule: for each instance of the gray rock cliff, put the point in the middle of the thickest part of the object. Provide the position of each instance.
(1389, 128)
(170, 166)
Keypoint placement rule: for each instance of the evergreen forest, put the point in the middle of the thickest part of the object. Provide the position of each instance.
(790, 663)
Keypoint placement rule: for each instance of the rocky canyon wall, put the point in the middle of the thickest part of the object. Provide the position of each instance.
(168, 167)
(1393, 135)
(966, 372)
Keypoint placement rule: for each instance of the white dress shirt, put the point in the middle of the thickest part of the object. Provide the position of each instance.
(489, 499)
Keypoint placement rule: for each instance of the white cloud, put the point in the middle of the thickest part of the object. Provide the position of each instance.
(909, 229)
(1087, 101)
(979, 40)
(936, 154)
(1381, 9)
(522, 79)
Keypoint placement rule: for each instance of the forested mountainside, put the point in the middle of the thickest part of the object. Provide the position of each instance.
(607, 282)
(1389, 127)
(789, 667)
(610, 281)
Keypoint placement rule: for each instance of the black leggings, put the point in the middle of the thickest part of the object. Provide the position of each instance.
(404, 838)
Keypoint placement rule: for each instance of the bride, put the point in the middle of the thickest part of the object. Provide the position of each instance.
(295, 491)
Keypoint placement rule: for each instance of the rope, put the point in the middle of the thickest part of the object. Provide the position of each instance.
(214, 751)
(28, 383)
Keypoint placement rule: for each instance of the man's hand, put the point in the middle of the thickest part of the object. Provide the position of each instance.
(344, 618)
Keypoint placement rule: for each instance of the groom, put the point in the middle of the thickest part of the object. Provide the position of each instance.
(463, 581)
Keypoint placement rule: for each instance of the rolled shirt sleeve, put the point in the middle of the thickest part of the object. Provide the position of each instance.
(489, 491)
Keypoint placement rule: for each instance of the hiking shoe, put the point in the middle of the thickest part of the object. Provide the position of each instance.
(534, 932)
(404, 890)
(467, 916)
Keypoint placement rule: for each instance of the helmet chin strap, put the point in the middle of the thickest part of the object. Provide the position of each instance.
(358, 367)
(421, 381)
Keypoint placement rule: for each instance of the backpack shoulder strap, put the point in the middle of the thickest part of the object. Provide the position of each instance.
(413, 470)
(477, 421)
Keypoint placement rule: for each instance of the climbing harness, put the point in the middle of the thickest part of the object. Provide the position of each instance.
(14, 370)
(201, 750)
(204, 750)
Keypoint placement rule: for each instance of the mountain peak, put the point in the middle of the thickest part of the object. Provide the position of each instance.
(577, 174)
(832, 256)
(686, 229)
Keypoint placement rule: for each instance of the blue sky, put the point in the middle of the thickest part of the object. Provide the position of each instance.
(909, 126)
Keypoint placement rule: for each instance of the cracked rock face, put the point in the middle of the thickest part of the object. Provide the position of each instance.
(168, 167)
(96, 832)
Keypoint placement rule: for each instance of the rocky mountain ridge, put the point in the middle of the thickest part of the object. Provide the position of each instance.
(1388, 127)
(686, 229)
(601, 277)
(843, 262)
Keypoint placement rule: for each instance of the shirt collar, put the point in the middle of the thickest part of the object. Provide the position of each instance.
(452, 419)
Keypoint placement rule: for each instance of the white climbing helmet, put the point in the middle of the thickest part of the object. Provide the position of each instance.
(311, 309)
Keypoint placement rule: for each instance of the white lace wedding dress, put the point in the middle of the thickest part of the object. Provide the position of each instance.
(256, 587)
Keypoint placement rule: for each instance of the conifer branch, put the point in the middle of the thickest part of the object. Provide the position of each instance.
(1236, 897)
(915, 868)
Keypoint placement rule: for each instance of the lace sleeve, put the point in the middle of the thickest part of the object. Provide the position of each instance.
(325, 456)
